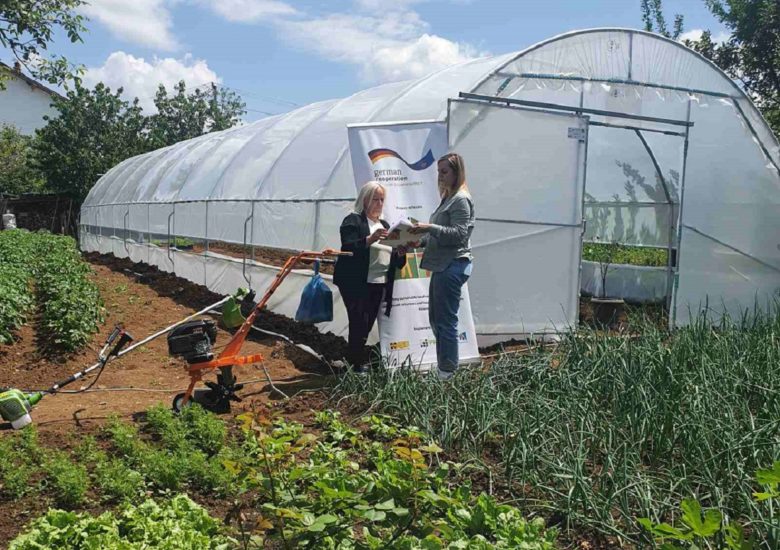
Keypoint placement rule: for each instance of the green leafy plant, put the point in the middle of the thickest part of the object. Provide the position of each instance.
(699, 528)
(69, 302)
(118, 482)
(607, 428)
(343, 489)
(174, 524)
(66, 481)
(20, 455)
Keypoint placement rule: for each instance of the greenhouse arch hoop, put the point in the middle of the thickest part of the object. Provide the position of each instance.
(285, 182)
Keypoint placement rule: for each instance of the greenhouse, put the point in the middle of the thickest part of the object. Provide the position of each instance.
(611, 135)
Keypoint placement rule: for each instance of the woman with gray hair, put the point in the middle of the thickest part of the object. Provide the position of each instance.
(366, 277)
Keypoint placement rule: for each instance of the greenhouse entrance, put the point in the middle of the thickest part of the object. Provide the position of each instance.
(546, 179)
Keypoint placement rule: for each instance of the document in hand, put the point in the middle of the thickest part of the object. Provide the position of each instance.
(399, 235)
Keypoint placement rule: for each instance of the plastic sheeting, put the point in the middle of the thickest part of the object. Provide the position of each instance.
(529, 215)
(224, 275)
(631, 224)
(295, 166)
(633, 283)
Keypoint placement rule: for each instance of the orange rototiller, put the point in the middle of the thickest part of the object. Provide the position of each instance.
(194, 342)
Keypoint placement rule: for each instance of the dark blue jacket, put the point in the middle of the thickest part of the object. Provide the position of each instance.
(351, 272)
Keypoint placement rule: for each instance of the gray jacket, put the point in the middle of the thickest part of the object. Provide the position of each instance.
(450, 234)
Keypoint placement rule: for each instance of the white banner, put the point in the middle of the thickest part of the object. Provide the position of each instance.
(402, 157)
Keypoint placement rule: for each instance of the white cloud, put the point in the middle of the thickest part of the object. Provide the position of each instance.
(695, 35)
(386, 42)
(393, 46)
(144, 22)
(140, 78)
(249, 11)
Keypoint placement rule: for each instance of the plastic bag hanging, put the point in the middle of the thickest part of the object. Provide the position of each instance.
(316, 300)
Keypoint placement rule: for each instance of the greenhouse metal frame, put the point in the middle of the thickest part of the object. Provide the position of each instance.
(678, 158)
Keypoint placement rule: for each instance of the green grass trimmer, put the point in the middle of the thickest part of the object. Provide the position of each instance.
(15, 405)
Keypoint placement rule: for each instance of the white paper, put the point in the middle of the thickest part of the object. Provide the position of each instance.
(399, 235)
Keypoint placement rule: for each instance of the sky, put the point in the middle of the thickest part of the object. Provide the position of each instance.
(279, 54)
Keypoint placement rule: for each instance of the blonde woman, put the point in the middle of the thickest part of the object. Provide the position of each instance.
(447, 255)
(366, 277)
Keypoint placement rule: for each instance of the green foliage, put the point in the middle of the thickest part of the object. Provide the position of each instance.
(751, 53)
(177, 242)
(192, 448)
(16, 300)
(608, 428)
(17, 464)
(337, 488)
(66, 481)
(68, 300)
(117, 481)
(93, 132)
(16, 294)
(204, 429)
(193, 428)
(614, 253)
(27, 28)
(71, 307)
(342, 489)
(175, 524)
(184, 116)
(97, 129)
(654, 20)
(697, 528)
(18, 175)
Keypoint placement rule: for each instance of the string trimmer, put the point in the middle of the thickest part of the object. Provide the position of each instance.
(15, 404)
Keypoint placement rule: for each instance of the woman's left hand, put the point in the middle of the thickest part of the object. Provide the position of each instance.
(420, 228)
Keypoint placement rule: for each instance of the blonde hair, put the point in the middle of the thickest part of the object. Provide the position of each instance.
(455, 162)
(366, 195)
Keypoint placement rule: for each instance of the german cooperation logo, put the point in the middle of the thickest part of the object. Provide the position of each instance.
(375, 155)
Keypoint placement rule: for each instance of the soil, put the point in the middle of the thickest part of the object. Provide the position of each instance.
(269, 256)
(147, 300)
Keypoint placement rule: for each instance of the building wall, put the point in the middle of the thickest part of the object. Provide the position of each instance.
(24, 106)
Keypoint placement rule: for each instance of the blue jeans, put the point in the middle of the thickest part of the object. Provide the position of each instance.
(443, 304)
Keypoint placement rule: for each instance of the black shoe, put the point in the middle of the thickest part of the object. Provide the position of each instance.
(361, 369)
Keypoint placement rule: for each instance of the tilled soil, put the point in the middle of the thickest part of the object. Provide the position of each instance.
(147, 300)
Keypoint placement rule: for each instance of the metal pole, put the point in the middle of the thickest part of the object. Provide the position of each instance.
(556, 107)
(168, 251)
(124, 240)
(582, 218)
(149, 234)
(316, 243)
(673, 305)
(252, 233)
(206, 243)
(755, 135)
(243, 267)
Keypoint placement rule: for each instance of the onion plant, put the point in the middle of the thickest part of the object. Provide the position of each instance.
(605, 428)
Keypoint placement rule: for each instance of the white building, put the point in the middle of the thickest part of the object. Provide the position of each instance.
(24, 102)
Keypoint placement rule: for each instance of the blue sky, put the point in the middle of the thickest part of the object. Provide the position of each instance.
(282, 53)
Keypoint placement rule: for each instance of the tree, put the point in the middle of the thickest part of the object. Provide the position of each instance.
(182, 116)
(26, 28)
(751, 55)
(654, 20)
(95, 130)
(18, 174)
